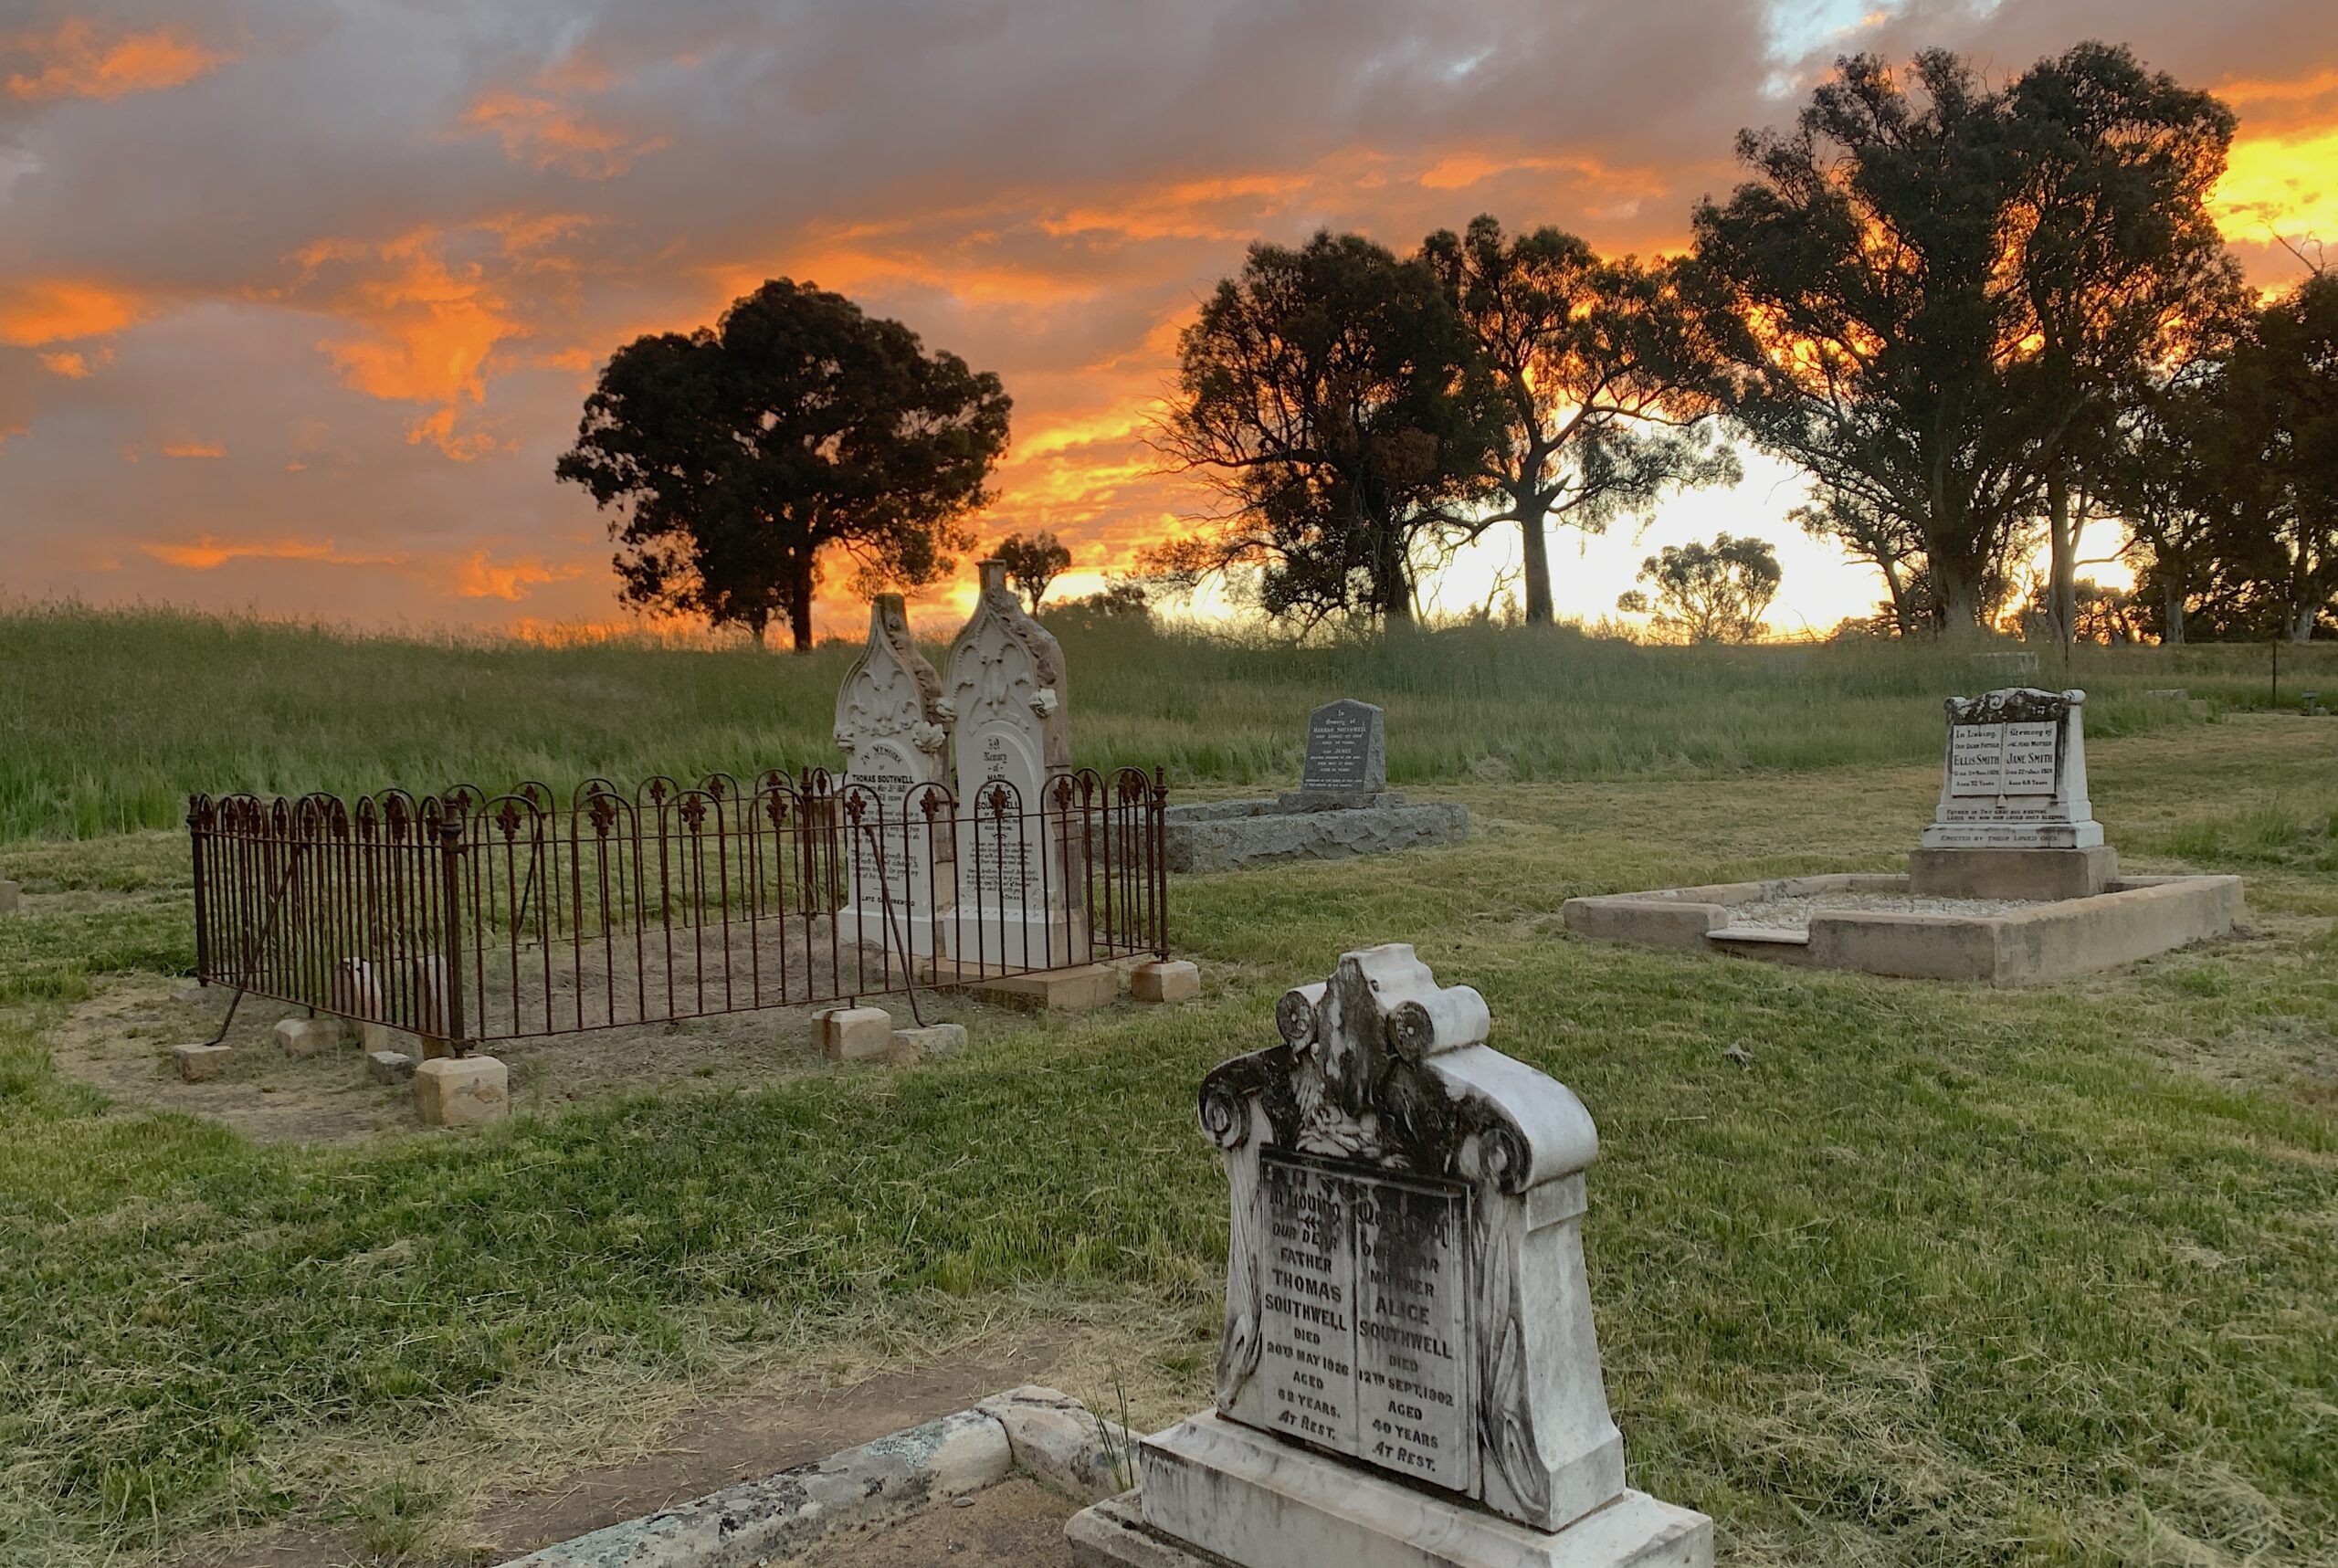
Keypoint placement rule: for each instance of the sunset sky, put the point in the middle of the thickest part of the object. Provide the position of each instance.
(299, 299)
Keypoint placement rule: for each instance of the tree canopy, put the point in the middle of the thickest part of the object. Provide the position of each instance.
(1329, 396)
(1708, 593)
(742, 455)
(1930, 286)
(1602, 398)
(1033, 562)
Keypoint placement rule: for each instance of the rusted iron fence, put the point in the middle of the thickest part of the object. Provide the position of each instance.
(469, 918)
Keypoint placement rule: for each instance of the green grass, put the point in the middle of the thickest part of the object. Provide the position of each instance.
(122, 714)
(1945, 1276)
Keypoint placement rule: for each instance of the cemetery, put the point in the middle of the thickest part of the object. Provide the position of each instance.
(846, 787)
(1495, 1242)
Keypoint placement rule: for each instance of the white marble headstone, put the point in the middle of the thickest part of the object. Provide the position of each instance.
(2014, 773)
(889, 725)
(1405, 1284)
(1005, 702)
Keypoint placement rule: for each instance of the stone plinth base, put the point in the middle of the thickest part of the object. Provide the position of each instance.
(2037, 874)
(1216, 1493)
(461, 1092)
(1166, 980)
(2078, 835)
(1228, 834)
(1089, 986)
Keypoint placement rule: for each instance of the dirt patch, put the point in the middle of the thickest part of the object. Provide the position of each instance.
(119, 1042)
(1017, 1523)
(713, 1447)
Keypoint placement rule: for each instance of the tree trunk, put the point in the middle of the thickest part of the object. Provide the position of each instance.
(1898, 592)
(756, 627)
(2301, 629)
(1535, 563)
(2171, 629)
(799, 603)
(1959, 590)
(2062, 599)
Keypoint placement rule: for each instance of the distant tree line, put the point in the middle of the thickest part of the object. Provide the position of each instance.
(1974, 316)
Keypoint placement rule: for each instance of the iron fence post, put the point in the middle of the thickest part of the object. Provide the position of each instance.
(451, 831)
(202, 900)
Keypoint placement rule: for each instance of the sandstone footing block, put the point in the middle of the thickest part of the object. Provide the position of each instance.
(1166, 980)
(389, 1067)
(196, 1063)
(307, 1037)
(913, 1046)
(1077, 990)
(853, 1033)
(2039, 874)
(461, 1092)
(11, 896)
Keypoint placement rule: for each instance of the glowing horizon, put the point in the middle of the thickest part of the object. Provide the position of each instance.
(296, 308)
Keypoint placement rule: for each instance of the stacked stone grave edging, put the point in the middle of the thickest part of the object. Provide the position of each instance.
(2013, 827)
(1343, 807)
(1037, 1432)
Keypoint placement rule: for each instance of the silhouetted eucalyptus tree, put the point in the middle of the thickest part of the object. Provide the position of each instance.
(1930, 286)
(1329, 396)
(742, 454)
(1604, 405)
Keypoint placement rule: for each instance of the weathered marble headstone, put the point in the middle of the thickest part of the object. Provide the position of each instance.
(1347, 750)
(889, 727)
(2015, 777)
(1408, 1372)
(1005, 699)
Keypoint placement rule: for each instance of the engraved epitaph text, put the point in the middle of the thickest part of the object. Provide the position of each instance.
(1346, 747)
(1364, 1327)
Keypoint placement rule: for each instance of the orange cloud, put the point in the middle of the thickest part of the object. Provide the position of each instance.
(481, 578)
(206, 554)
(539, 129)
(195, 450)
(36, 311)
(429, 309)
(71, 366)
(2285, 185)
(77, 60)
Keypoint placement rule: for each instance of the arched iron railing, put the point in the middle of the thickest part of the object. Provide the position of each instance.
(469, 918)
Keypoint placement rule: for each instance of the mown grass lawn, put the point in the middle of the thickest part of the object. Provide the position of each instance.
(1945, 1276)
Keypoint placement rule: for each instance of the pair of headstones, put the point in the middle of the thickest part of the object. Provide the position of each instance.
(2014, 819)
(994, 731)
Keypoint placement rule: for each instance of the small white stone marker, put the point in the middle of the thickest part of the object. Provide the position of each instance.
(853, 1033)
(196, 1063)
(307, 1037)
(915, 1045)
(1166, 980)
(1409, 1374)
(461, 1092)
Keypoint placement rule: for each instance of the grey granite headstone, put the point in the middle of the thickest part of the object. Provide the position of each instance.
(1347, 750)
